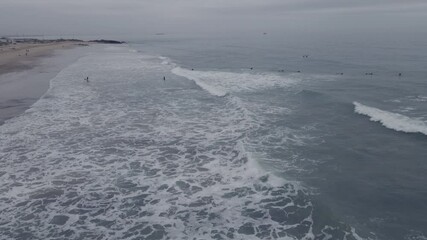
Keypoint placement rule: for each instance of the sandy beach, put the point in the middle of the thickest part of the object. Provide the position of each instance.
(21, 82)
(14, 57)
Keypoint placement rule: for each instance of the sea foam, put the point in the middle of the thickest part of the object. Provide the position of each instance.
(122, 157)
(220, 83)
(395, 121)
(116, 158)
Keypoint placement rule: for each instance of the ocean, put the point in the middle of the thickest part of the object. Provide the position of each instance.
(250, 137)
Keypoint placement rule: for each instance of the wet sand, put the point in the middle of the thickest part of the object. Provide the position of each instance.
(15, 57)
(25, 72)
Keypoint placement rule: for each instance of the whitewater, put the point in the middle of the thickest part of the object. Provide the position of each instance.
(354, 143)
(129, 155)
(183, 147)
(394, 121)
(219, 83)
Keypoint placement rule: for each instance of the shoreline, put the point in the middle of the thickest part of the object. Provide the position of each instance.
(21, 56)
(26, 70)
(28, 65)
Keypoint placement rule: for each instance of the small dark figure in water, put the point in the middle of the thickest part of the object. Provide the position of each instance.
(87, 79)
(251, 68)
(369, 74)
(192, 69)
(400, 74)
(298, 71)
(164, 78)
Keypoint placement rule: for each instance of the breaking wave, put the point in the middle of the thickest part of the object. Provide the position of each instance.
(111, 159)
(124, 157)
(220, 83)
(395, 121)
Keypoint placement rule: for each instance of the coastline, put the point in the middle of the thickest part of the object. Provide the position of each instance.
(16, 57)
(28, 65)
(26, 70)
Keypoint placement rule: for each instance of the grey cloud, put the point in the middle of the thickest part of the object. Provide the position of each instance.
(130, 16)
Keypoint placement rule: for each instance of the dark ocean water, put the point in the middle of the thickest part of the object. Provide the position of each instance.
(357, 141)
(244, 139)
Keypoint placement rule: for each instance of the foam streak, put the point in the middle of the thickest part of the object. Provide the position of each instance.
(391, 120)
(220, 83)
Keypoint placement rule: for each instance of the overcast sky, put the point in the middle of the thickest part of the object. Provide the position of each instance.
(116, 17)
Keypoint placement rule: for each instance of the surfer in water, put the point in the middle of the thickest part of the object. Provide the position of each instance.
(164, 78)
(87, 79)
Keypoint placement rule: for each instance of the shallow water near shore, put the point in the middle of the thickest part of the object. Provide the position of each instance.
(21, 88)
(218, 150)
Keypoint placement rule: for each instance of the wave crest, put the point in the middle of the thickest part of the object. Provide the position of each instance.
(220, 83)
(395, 121)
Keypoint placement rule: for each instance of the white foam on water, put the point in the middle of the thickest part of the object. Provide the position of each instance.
(418, 98)
(415, 235)
(107, 158)
(395, 121)
(214, 90)
(165, 60)
(120, 157)
(220, 83)
(406, 109)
